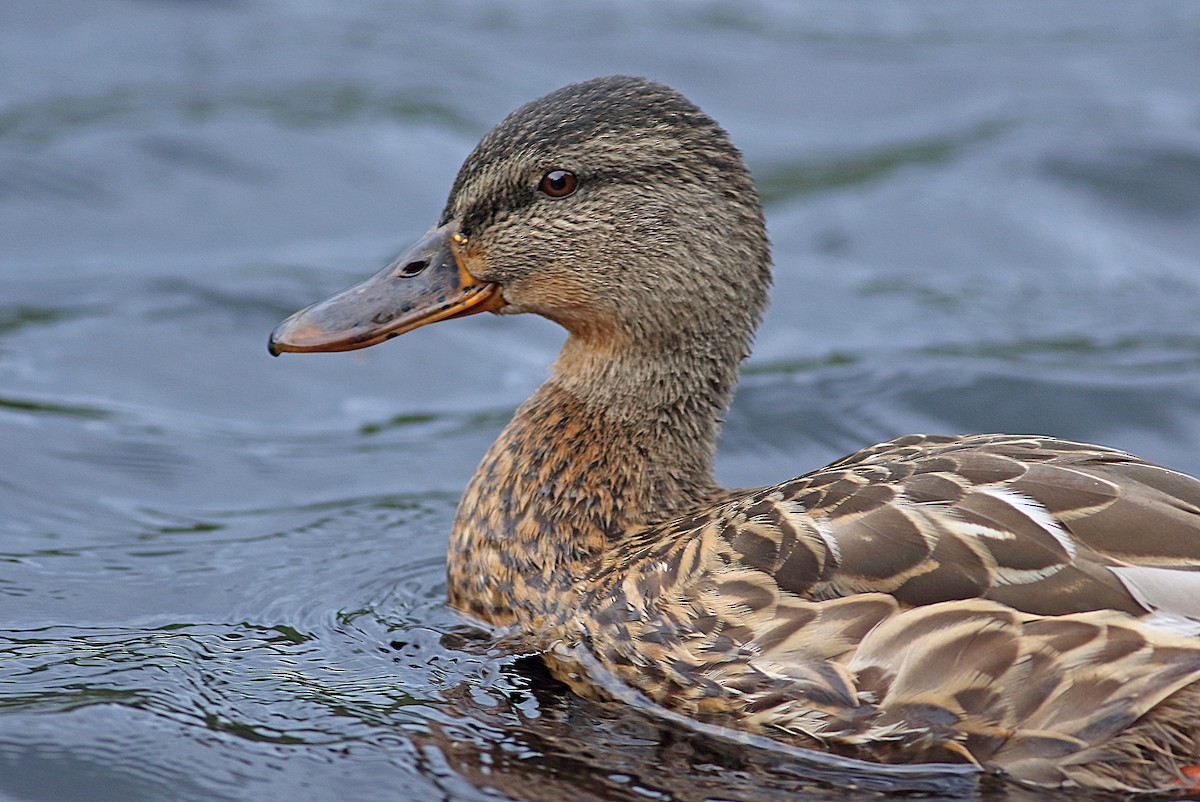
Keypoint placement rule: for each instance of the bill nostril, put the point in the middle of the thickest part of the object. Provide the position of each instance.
(413, 268)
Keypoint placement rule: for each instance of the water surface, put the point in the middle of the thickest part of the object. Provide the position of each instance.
(221, 576)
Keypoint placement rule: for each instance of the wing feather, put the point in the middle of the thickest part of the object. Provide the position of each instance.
(1038, 523)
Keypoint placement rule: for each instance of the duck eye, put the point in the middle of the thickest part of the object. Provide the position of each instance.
(558, 183)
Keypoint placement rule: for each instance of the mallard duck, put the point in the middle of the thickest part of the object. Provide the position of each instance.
(1026, 604)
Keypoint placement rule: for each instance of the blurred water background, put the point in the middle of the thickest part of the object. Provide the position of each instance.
(221, 576)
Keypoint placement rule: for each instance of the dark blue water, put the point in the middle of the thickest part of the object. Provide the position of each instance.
(221, 575)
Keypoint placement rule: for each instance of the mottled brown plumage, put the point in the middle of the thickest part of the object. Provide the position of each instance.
(1024, 603)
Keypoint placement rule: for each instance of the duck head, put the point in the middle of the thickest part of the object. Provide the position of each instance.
(614, 207)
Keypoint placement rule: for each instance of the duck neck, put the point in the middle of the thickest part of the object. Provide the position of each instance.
(618, 438)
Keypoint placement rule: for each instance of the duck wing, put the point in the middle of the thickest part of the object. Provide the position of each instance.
(1043, 525)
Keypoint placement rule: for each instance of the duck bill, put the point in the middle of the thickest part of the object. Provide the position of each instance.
(425, 284)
